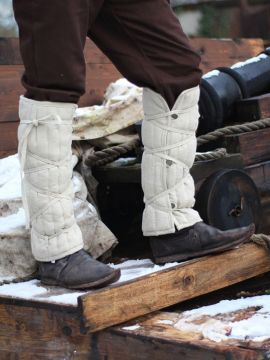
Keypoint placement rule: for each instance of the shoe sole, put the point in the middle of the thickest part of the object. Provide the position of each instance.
(113, 277)
(192, 255)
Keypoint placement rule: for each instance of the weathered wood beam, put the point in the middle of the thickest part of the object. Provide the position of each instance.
(254, 146)
(122, 302)
(30, 333)
(154, 337)
(254, 108)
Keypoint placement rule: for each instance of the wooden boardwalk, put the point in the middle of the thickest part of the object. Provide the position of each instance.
(44, 329)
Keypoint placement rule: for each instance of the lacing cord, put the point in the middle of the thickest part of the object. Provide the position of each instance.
(47, 164)
(161, 153)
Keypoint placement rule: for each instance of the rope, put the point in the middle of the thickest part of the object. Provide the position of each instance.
(211, 155)
(233, 130)
(106, 156)
(261, 240)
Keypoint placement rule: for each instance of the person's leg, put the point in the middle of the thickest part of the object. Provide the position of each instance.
(146, 43)
(52, 36)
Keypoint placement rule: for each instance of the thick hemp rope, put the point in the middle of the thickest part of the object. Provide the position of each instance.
(233, 130)
(211, 155)
(262, 240)
(106, 156)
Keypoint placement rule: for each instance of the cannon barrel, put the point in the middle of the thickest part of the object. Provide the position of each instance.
(222, 88)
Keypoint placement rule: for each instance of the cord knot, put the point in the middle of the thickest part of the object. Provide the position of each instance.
(35, 122)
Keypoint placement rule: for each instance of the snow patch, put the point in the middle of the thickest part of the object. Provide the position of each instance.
(131, 328)
(12, 222)
(249, 61)
(256, 327)
(211, 74)
(165, 322)
(132, 269)
(10, 180)
(33, 290)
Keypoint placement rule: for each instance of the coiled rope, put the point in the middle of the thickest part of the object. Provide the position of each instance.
(106, 156)
(233, 130)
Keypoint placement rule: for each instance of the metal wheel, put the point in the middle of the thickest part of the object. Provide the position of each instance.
(229, 199)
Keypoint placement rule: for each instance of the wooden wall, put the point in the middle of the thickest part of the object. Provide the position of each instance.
(100, 72)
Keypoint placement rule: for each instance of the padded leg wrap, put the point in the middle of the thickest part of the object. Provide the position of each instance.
(44, 134)
(169, 138)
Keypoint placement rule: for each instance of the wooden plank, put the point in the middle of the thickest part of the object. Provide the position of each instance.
(31, 330)
(10, 90)
(254, 108)
(8, 138)
(28, 333)
(98, 77)
(10, 51)
(154, 339)
(119, 303)
(254, 146)
(214, 52)
(225, 52)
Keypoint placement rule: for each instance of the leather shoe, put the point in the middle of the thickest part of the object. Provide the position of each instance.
(197, 240)
(77, 271)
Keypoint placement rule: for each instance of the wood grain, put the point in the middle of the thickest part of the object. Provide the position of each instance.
(254, 146)
(119, 303)
(225, 52)
(254, 108)
(28, 333)
(156, 340)
(8, 138)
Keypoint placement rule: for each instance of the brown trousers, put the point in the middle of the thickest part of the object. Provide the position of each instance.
(143, 39)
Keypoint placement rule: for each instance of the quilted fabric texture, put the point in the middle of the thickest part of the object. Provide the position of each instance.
(44, 135)
(169, 138)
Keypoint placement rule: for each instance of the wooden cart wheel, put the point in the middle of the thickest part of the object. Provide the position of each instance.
(229, 199)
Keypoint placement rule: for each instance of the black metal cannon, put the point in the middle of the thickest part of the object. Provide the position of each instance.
(222, 88)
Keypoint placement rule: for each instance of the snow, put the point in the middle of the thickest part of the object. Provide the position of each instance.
(250, 61)
(165, 322)
(12, 222)
(132, 269)
(131, 328)
(256, 327)
(120, 90)
(10, 180)
(211, 74)
(33, 290)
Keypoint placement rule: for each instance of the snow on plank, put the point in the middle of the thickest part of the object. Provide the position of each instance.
(128, 300)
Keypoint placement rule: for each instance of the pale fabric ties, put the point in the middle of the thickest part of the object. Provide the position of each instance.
(169, 138)
(22, 151)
